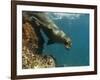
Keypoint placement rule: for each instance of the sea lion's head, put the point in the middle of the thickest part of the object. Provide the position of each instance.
(68, 43)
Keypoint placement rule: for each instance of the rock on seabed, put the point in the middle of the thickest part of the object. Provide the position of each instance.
(32, 46)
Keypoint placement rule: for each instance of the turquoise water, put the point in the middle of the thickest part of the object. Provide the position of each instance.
(77, 27)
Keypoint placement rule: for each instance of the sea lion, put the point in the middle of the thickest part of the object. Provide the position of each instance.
(52, 31)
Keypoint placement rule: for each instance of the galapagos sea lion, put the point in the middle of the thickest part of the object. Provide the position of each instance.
(52, 31)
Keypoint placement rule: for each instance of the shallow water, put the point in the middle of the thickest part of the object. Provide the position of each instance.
(77, 27)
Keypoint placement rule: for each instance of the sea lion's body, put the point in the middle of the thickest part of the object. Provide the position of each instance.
(54, 34)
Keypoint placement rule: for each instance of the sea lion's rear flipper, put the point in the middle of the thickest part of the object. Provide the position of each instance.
(50, 42)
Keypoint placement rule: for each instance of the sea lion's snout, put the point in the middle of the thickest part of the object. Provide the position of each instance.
(68, 43)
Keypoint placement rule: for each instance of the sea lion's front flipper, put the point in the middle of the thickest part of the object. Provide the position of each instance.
(50, 42)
